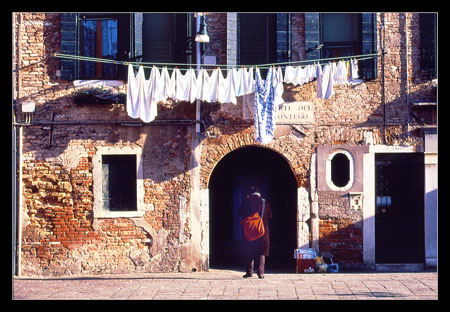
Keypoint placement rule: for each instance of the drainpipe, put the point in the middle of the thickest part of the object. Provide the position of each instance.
(198, 60)
(383, 62)
(19, 217)
(18, 187)
(407, 75)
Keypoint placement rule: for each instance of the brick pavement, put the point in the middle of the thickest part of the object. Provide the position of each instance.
(226, 284)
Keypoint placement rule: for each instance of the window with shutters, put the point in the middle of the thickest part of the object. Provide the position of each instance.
(118, 182)
(340, 34)
(115, 36)
(167, 38)
(428, 36)
(257, 38)
(98, 38)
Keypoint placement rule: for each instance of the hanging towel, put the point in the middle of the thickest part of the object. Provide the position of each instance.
(311, 72)
(167, 86)
(325, 81)
(290, 73)
(341, 73)
(135, 91)
(210, 85)
(186, 86)
(264, 97)
(278, 87)
(148, 110)
(142, 94)
(238, 81)
(354, 69)
(319, 75)
(248, 80)
(225, 91)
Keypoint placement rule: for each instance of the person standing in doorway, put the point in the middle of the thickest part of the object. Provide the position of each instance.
(255, 252)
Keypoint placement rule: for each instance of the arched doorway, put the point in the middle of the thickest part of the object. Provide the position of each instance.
(227, 186)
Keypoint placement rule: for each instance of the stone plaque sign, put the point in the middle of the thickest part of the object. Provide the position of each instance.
(295, 113)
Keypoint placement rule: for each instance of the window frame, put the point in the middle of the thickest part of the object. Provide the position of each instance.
(355, 46)
(99, 210)
(351, 180)
(99, 18)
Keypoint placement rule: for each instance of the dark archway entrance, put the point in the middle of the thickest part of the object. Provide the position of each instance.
(227, 185)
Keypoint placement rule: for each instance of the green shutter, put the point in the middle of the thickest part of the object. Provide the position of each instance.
(157, 33)
(312, 38)
(119, 182)
(428, 44)
(253, 38)
(283, 37)
(369, 68)
(232, 45)
(69, 40)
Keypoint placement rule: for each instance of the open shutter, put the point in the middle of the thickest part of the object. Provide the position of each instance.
(283, 37)
(232, 49)
(252, 38)
(428, 44)
(157, 31)
(69, 39)
(369, 45)
(129, 44)
(312, 38)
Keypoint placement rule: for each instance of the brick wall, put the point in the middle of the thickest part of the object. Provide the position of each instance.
(61, 236)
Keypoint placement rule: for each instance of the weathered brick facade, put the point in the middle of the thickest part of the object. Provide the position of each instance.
(60, 232)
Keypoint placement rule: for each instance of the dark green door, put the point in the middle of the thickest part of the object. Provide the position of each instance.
(399, 216)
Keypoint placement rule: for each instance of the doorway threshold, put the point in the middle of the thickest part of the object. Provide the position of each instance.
(400, 267)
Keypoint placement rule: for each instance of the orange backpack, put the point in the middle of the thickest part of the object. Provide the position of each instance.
(253, 226)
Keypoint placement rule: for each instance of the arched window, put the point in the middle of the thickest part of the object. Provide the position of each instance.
(340, 170)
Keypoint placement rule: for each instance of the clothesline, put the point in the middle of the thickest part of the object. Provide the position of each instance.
(360, 57)
(266, 94)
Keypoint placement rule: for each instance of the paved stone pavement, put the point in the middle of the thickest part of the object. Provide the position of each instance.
(227, 284)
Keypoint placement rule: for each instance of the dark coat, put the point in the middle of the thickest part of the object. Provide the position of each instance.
(251, 204)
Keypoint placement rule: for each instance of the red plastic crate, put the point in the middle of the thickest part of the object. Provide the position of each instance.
(306, 265)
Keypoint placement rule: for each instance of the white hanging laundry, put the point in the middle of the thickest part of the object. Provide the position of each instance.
(210, 86)
(290, 73)
(167, 85)
(225, 91)
(185, 85)
(341, 73)
(278, 87)
(319, 75)
(326, 81)
(238, 78)
(147, 109)
(312, 71)
(298, 75)
(196, 85)
(135, 91)
(354, 69)
(248, 80)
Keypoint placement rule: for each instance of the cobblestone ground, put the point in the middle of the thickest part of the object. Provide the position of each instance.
(224, 284)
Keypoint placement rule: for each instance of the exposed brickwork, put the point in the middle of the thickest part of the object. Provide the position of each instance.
(60, 233)
(341, 239)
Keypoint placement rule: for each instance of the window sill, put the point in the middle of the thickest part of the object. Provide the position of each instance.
(96, 83)
(118, 214)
